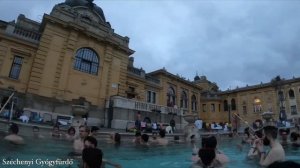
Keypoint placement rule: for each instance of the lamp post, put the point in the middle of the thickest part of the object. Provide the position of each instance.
(282, 113)
(277, 82)
(229, 115)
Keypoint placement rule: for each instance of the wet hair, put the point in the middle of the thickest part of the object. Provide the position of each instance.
(92, 157)
(192, 137)
(162, 133)
(294, 136)
(94, 128)
(284, 164)
(176, 137)
(209, 142)
(271, 130)
(71, 129)
(207, 155)
(145, 137)
(14, 128)
(91, 139)
(246, 131)
(258, 133)
(117, 138)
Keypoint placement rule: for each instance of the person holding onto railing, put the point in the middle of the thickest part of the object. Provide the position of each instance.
(253, 152)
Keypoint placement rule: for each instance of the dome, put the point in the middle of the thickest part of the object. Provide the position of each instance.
(196, 78)
(86, 3)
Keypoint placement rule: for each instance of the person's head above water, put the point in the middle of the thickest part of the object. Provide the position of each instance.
(145, 138)
(35, 129)
(92, 157)
(14, 128)
(117, 138)
(209, 142)
(90, 142)
(71, 131)
(84, 131)
(162, 133)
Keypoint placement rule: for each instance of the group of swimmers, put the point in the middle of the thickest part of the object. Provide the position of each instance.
(85, 146)
(144, 139)
(209, 156)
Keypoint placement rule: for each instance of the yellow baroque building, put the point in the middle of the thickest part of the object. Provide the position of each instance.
(74, 57)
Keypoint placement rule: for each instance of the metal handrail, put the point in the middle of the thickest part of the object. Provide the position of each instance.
(10, 97)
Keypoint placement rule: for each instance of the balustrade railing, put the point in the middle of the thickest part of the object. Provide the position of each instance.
(27, 33)
(121, 102)
(151, 79)
(135, 70)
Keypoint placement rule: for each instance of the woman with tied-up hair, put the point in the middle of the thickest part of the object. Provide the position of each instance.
(209, 156)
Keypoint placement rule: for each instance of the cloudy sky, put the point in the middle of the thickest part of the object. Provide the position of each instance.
(231, 42)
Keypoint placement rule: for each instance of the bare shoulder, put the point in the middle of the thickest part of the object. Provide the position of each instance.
(15, 139)
(222, 158)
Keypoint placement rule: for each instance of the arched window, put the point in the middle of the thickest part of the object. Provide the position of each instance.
(183, 99)
(171, 97)
(291, 94)
(225, 105)
(257, 105)
(86, 60)
(233, 105)
(194, 103)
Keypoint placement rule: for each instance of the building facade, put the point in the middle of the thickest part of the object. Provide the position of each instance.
(74, 57)
(280, 96)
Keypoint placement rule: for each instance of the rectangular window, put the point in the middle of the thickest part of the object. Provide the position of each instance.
(293, 110)
(131, 89)
(244, 110)
(204, 107)
(151, 97)
(219, 107)
(257, 108)
(16, 67)
(212, 108)
(194, 105)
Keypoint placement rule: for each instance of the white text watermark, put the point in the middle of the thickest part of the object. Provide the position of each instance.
(36, 162)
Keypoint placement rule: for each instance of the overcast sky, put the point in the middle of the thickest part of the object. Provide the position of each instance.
(231, 42)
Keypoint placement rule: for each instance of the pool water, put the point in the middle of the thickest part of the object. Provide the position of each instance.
(175, 155)
(179, 155)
